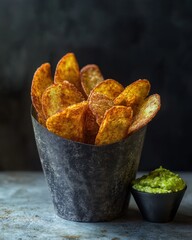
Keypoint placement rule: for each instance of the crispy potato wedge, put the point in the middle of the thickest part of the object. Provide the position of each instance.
(90, 76)
(69, 123)
(91, 127)
(134, 94)
(41, 119)
(98, 104)
(115, 125)
(59, 96)
(42, 79)
(109, 88)
(68, 69)
(80, 105)
(145, 113)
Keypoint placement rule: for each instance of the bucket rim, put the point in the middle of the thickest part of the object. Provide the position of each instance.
(34, 118)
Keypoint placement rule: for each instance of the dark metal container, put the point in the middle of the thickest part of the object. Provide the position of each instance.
(88, 183)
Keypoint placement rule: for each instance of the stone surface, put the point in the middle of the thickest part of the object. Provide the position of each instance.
(26, 212)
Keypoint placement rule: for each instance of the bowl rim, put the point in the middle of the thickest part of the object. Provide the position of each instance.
(132, 189)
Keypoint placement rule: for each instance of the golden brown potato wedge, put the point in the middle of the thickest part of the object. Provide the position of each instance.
(68, 69)
(134, 94)
(109, 88)
(145, 113)
(41, 119)
(70, 123)
(91, 127)
(90, 76)
(98, 104)
(115, 125)
(110, 113)
(42, 79)
(58, 96)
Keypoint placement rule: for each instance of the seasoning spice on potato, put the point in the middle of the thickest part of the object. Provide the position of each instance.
(99, 104)
(69, 123)
(91, 127)
(145, 113)
(90, 76)
(68, 69)
(42, 79)
(109, 88)
(115, 125)
(41, 119)
(134, 94)
(58, 96)
(80, 105)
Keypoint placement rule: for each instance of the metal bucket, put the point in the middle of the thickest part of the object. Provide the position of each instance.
(88, 183)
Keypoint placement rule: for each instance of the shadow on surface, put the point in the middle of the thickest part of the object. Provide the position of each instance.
(183, 218)
(132, 215)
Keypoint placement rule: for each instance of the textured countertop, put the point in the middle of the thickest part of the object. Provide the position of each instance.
(26, 212)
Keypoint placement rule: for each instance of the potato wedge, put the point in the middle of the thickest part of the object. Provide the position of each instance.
(70, 123)
(98, 104)
(91, 127)
(145, 113)
(109, 88)
(90, 76)
(42, 79)
(68, 69)
(58, 96)
(41, 119)
(134, 94)
(115, 125)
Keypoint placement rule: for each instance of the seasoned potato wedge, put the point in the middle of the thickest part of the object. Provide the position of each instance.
(42, 79)
(115, 125)
(58, 96)
(68, 69)
(90, 76)
(41, 119)
(98, 104)
(145, 113)
(134, 94)
(70, 123)
(91, 127)
(109, 88)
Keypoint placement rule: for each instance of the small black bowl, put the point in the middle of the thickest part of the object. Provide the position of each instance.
(158, 207)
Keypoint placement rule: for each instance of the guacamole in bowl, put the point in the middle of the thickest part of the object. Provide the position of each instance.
(158, 195)
(160, 180)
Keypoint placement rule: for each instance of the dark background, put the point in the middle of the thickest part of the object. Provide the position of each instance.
(128, 39)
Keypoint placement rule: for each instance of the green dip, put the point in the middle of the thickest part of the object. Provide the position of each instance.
(160, 180)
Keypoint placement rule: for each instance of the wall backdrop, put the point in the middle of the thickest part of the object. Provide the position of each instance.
(128, 39)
